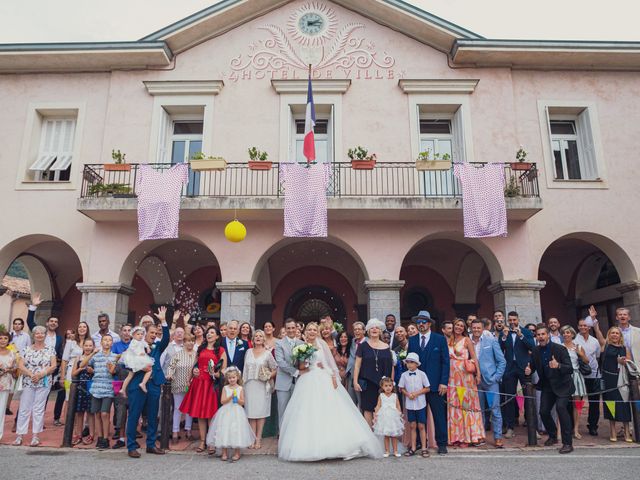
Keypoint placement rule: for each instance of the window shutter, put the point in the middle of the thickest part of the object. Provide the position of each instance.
(165, 126)
(458, 151)
(65, 145)
(56, 145)
(586, 147)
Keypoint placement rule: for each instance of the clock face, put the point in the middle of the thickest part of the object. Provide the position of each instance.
(311, 23)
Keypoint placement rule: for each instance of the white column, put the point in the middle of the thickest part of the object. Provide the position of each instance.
(238, 301)
(631, 299)
(384, 298)
(522, 296)
(109, 298)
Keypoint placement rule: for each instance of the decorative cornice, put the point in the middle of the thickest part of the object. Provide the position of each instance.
(319, 86)
(370, 285)
(627, 287)
(502, 285)
(251, 287)
(438, 85)
(102, 287)
(184, 87)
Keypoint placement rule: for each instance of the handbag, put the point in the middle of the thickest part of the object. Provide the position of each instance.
(584, 368)
(470, 366)
(264, 374)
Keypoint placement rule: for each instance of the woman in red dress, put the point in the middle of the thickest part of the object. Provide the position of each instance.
(201, 401)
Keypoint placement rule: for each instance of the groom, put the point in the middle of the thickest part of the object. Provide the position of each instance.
(433, 353)
(287, 372)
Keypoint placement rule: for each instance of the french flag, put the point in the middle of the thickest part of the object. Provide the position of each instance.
(309, 147)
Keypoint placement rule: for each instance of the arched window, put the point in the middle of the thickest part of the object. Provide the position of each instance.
(608, 275)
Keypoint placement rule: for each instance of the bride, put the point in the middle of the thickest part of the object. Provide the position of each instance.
(321, 420)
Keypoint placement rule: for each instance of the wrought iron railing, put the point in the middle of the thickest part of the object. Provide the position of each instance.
(386, 179)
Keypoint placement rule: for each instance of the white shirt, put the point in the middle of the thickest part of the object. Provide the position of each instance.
(50, 340)
(591, 348)
(413, 383)
(231, 348)
(626, 335)
(426, 336)
(556, 338)
(168, 354)
(21, 341)
(97, 337)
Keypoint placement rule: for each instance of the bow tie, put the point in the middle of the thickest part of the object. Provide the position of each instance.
(412, 373)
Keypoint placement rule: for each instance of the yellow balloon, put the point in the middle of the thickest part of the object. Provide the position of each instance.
(235, 231)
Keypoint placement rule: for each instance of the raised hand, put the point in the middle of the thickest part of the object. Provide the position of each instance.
(593, 312)
(36, 299)
(554, 363)
(176, 316)
(162, 314)
(527, 370)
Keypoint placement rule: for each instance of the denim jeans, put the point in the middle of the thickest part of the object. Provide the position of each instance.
(496, 414)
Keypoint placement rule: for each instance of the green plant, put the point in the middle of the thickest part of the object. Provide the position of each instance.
(118, 156)
(521, 154)
(109, 189)
(202, 156)
(358, 153)
(512, 189)
(426, 156)
(256, 155)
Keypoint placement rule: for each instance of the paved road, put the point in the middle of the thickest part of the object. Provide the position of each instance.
(28, 463)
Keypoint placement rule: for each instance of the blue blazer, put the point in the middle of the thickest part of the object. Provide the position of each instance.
(491, 360)
(521, 350)
(157, 375)
(434, 358)
(238, 358)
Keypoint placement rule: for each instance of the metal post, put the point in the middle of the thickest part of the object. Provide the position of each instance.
(165, 419)
(634, 398)
(530, 412)
(71, 415)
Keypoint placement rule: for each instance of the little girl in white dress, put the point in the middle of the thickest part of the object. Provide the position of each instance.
(136, 358)
(229, 426)
(388, 417)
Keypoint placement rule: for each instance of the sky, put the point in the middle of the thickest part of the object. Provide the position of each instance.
(34, 21)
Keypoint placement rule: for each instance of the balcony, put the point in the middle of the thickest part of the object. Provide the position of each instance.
(392, 190)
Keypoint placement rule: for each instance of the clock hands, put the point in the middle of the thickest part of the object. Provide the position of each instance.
(311, 23)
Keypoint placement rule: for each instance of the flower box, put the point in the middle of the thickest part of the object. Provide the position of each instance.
(363, 164)
(424, 165)
(211, 163)
(521, 166)
(117, 167)
(259, 165)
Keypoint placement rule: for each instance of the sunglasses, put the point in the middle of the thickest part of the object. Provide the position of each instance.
(419, 322)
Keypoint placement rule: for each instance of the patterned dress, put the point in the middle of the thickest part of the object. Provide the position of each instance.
(465, 418)
(83, 399)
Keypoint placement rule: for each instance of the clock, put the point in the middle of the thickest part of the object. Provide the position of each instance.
(312, 24)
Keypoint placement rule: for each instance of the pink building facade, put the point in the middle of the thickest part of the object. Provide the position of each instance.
(387, 76)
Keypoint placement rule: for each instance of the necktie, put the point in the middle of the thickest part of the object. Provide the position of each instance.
(412, 373)
(423, 341)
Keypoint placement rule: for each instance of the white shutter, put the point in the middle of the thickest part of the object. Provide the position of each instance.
(163, 135)
(56, 145)
(65, 145)
(458, 151)
(586, 149)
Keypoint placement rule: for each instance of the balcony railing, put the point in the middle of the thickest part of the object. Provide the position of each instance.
(387, 179)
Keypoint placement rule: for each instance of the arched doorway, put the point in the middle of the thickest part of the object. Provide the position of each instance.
(583, 269)
(314, 302)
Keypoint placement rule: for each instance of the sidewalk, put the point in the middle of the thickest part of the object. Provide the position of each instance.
(52, 437)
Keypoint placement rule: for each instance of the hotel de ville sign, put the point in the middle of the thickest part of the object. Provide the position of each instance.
(313, 36)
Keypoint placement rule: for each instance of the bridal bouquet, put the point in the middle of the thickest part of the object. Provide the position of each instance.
(338, 327)
(302, 352)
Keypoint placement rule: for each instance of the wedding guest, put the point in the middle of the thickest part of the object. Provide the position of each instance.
(630, 334)
(82, 376)
(466, 425)
(390, 323)
(287, 371)
(498, 322)
(326, 333)
(282, 333)
(175, 345)
(388, 417)
(198, 335)
(103, 325)
(492, 366)
(373, 361)
(614, 357)
(259, 372)
(531, 327)
(553, 364)
(433, 353)
(341, 355)
(179, 373)
(554, 331)
(412, 330)
(300, 326)
(246, 333)
(470, 318)
(447, 329)
(575, 352)
(402, 346)
(201, 400)
(488, 324)
(592, 349)
(103, 362)
(121, 402)
(146, 321)
(37, 364)
(414, 385)
(235, 348)
(72, 350)
(269, 339)
(19, 337)
(386, 337)
(358, 338)
(8, 367)
(223, 330)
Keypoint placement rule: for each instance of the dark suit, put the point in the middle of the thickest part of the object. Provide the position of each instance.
(59, 348)
(238, 356)
(517, 356)
(150, 401)
(557, 387)
(434, 361)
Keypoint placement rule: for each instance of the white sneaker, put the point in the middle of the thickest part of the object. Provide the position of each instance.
(509, 433)
(35, 441)
(386, 455)
(18, 440)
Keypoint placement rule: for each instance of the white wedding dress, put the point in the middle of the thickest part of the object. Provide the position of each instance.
(322, 422)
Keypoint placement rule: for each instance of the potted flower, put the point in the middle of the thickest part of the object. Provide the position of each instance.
(258, 160)
(360, 158)
(427, 161)
(116, 190)
(521, 163)
(119, 165)
(512, 189)
(201, 162)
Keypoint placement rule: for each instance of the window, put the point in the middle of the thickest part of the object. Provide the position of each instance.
(323, 133)
(186, 141)
(55, 153)
(435, 136)
(572, 150)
